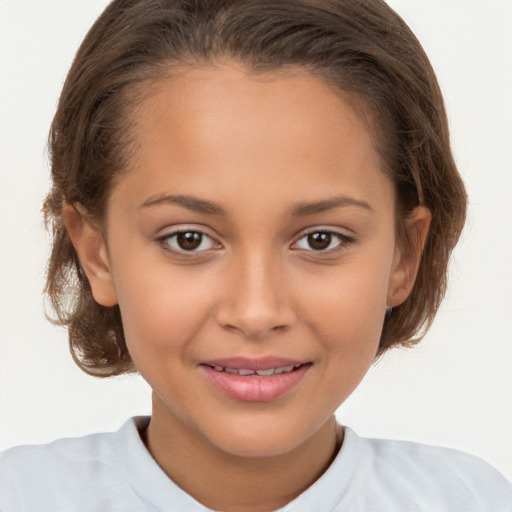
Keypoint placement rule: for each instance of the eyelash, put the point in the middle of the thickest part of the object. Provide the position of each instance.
(343, 242)
(165, 241)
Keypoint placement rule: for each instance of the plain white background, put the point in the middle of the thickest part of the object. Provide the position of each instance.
(454, 389)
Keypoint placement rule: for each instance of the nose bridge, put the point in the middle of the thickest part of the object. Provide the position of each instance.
(255, 301)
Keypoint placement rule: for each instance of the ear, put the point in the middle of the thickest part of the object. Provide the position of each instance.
(91, 249)
(408, 256)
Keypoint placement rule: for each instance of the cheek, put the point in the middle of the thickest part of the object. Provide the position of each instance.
(346, 309)
(161, 311)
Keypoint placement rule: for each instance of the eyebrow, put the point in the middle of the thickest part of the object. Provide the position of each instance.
(209, 207)
(189, 202)
(313, 207)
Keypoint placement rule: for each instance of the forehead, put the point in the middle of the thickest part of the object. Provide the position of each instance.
(220, 128)
(213, 102)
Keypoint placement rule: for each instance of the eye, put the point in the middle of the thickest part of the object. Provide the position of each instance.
(321, 241)
(188, 241)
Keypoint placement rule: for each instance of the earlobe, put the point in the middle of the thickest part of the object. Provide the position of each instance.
(408, 256)
(92, 252)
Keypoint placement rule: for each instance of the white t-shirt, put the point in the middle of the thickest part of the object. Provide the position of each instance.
(114, 472)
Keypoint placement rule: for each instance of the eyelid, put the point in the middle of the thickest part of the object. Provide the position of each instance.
(186, 228)
(345, 239)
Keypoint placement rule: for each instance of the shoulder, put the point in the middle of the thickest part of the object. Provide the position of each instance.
(60, 472)
(56, 453)
(434, 478)
(424, 458)
(58, 456)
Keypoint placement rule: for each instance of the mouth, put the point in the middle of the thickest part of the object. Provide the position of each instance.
(260, 380)
(246, 372)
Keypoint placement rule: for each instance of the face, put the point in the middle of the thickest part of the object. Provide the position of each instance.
(251, 249)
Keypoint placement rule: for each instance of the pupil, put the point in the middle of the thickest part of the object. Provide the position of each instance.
(319, 241)
(189, 240)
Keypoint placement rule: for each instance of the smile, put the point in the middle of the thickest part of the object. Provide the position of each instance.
(254, 381)
(262, 373)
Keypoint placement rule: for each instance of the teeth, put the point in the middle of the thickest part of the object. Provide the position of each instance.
(265, 373)
(262, 373)
(284, 369)
(243, 371)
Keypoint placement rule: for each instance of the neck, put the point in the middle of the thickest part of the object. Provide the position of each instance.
(223, 481)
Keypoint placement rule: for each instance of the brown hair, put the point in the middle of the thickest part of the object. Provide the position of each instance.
(361, 46)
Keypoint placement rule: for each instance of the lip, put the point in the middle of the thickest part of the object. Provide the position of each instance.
(254, 388)
(256, 363)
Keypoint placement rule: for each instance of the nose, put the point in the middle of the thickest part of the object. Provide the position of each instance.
(255, 300)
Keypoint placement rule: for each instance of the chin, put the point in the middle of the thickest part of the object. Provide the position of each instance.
(257, 448)
(258, 438)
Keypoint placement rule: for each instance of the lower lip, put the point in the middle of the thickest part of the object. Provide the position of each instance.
(255, 388)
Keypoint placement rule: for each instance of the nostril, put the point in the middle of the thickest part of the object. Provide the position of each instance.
(255, 328)
(254, 305)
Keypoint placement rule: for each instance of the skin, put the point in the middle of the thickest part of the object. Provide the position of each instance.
(259, 147)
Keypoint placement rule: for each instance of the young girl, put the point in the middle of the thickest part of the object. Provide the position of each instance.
(251, 202)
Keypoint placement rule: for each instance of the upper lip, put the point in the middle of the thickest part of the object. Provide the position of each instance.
(259, 363)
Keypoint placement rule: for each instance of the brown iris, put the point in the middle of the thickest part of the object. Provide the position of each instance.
(319, 241)
(189, 240)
